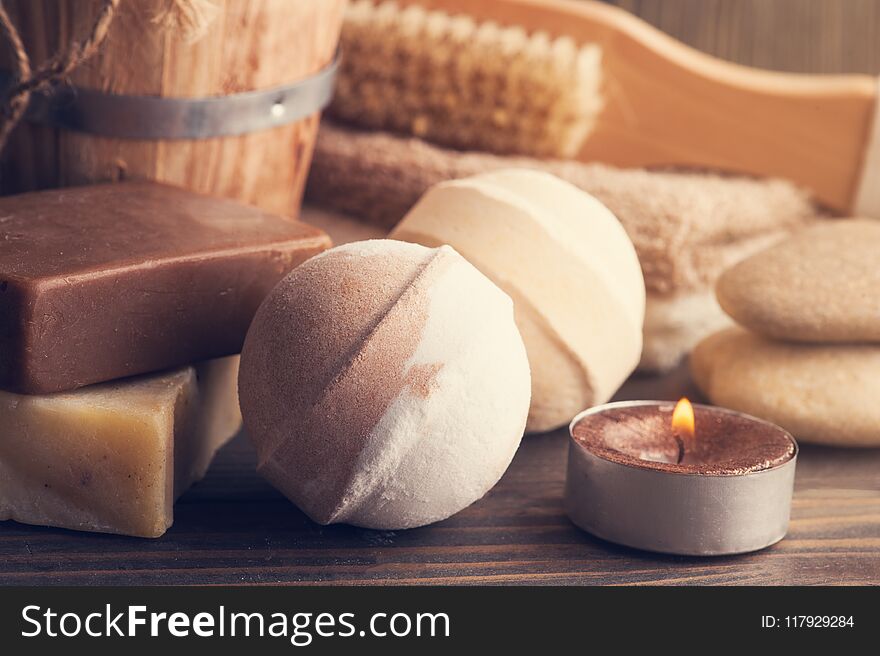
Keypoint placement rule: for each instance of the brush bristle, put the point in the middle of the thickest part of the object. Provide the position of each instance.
(456, 82)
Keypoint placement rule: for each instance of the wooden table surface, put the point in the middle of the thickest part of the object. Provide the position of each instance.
(233, 528)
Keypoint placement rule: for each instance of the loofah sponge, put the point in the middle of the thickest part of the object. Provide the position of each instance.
(687, 227)
(465, 84)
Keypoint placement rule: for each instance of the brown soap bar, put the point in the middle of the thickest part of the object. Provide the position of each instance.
(106, 281)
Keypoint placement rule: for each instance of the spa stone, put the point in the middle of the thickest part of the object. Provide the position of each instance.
(822, 285)
(826, 394)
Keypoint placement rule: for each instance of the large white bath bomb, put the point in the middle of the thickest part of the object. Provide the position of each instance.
(384, 384)
(567, 263)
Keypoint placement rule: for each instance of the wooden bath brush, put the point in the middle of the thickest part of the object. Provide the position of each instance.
(560, 78)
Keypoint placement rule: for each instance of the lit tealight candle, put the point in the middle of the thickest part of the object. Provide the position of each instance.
(684, 479)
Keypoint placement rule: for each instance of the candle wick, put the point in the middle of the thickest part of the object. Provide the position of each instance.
(680, 442)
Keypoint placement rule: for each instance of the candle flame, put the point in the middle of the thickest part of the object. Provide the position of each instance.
(683, 418)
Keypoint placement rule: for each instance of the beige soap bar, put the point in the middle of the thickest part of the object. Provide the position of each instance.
(114, 457)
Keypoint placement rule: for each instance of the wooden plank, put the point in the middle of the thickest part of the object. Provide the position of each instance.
(803, 36)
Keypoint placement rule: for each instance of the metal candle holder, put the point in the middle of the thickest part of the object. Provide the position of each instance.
(672, 512)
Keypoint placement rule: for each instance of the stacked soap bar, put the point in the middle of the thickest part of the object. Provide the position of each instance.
(107, 281)
(113, 457)
(108, 295)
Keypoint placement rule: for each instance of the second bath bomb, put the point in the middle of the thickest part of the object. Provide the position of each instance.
(570, 268)
(384, 384)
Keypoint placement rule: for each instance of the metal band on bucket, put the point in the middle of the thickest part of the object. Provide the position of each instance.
(152, 117)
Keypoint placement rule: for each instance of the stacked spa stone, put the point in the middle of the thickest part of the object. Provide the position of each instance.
(122, 311)
(806, 352)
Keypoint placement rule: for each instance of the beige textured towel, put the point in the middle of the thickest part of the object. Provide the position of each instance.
(686, 227)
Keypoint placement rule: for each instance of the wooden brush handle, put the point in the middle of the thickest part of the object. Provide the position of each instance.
(669, 104)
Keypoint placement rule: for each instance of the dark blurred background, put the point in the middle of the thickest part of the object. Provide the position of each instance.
(815, 36)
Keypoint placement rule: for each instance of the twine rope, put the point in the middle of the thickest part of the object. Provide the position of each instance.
(56, 68)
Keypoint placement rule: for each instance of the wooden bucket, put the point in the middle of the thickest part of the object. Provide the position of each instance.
(236, 46)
